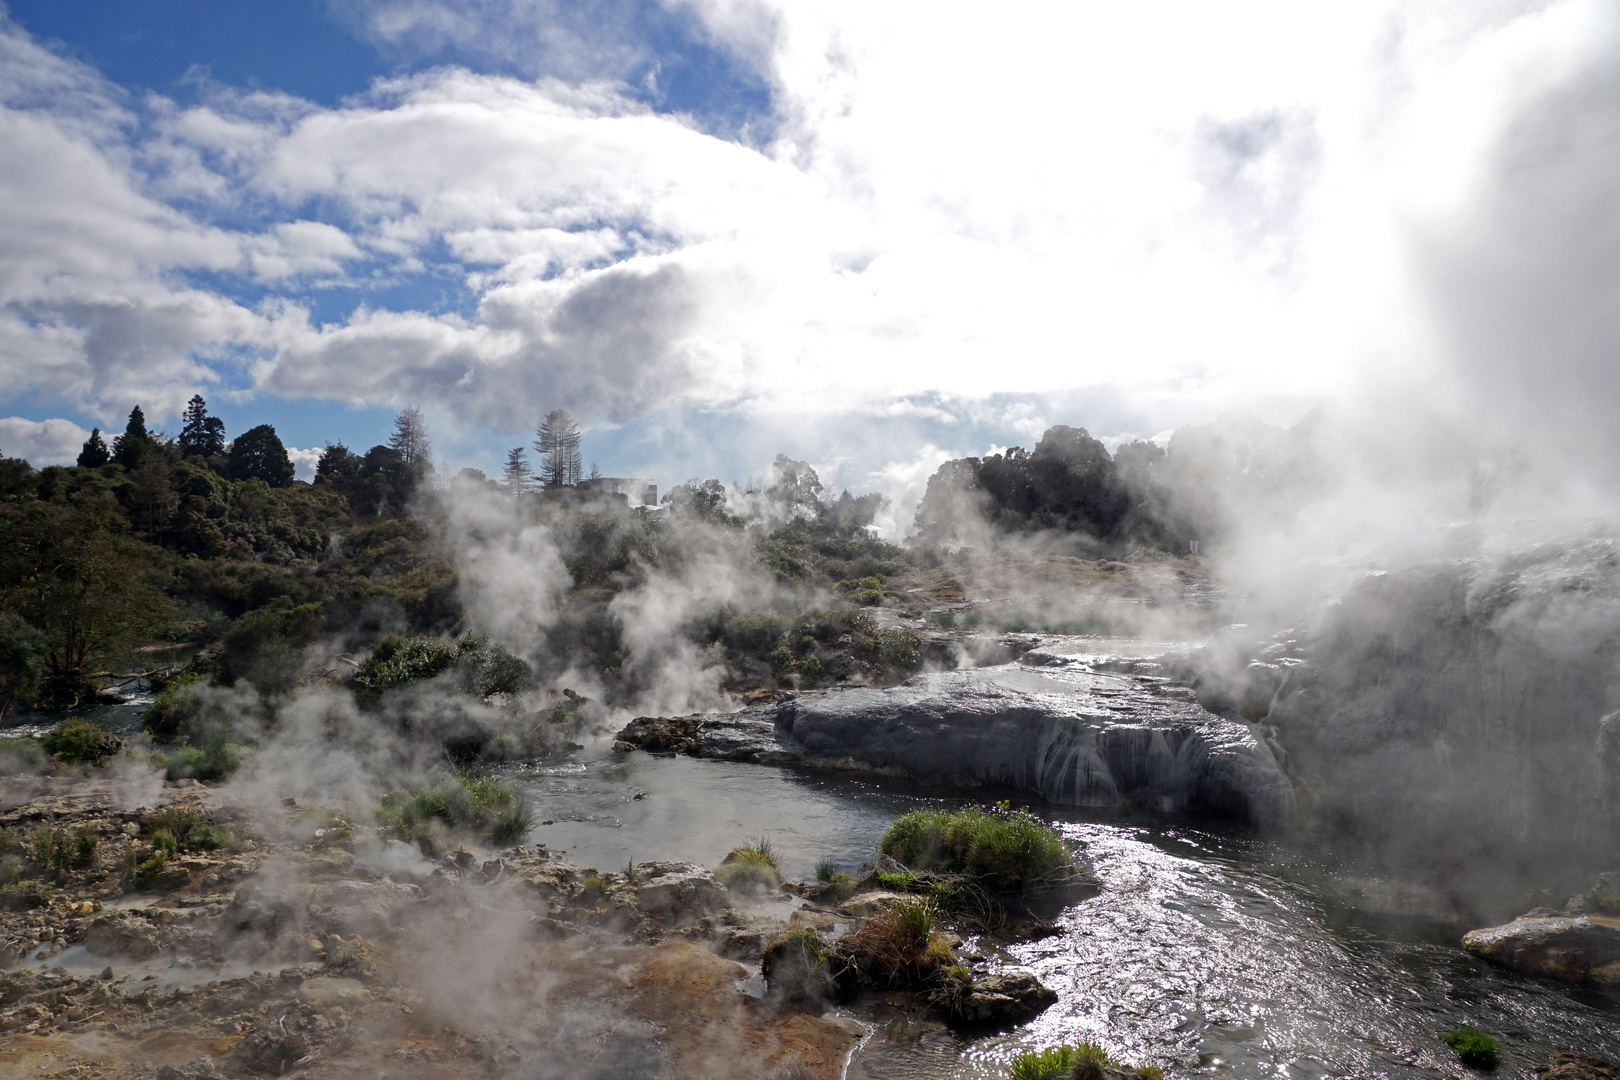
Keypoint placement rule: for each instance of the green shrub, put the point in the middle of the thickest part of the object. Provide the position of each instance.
(21, 755)
(59, 849)
(11, 869)
(751, 868)
(826, 870)
(188, 830)
(24, 894)
(1474, 1047)
(797, 966)
(466, 802)
(1005, 849)
(173, 712)
(78, 741)
(164, 844)
(215, 760)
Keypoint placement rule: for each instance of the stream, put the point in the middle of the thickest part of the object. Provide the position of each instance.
(1209, 952)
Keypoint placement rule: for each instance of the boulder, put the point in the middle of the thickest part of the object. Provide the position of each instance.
(678, 891)
(368, 908)
(1576, 948)
(126, 933)
(660, 734)
(1003, 1000)
(1577, 1066)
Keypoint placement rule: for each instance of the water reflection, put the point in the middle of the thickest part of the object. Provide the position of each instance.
(1209, 952)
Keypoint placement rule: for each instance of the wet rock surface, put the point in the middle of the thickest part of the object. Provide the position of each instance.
(1073, 736)
(1004, 1000)
(1575, 948)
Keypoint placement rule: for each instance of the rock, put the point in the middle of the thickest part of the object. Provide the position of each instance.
(270, 1050)
(1075, 737)
(1002, 1000)
(324, 992)
(660, 734)
(125, 933)
(1577, 1066)
(368, 908)
(200, 1069)
(678, 891)
(1576, 948)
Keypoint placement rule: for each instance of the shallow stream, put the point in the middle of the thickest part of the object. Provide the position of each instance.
(1208, 952)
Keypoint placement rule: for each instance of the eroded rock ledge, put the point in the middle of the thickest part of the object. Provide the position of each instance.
(1074, 737)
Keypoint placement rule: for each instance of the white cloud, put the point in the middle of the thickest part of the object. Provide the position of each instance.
(42, 442)
(1172, 210)
(304, 461)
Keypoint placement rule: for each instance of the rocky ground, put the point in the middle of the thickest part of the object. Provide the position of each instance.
(297, 942)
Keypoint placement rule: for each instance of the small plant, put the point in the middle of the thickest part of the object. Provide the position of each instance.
(171, 713)
(512, 824)
(797, 966)
(11, 870)
(58, 849)
(78, 741)
(751, 868)
(826, 870)
(1474, 1047)
(1084, 1062)
(188, 830)
(1005, 849)
(595, 886)
(898, 947)
(24, 894)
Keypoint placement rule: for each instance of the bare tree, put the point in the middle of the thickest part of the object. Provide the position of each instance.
(557, 441)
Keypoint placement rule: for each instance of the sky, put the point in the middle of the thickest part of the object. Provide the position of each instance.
(872, 236)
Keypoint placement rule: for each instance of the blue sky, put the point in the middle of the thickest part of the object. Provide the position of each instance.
(719, 229)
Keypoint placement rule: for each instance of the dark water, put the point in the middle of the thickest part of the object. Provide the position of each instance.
(1208, 952)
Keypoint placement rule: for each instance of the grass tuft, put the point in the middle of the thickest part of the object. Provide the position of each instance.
(1474, 1048)
(1083, 1062)
(751, 868)
(1004, 848)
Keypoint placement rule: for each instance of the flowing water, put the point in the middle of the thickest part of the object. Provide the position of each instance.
(1208, 951)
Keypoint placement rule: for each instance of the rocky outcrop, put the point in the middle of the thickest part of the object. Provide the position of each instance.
(1003, 1000)
(677, 892)
(1075, 737)
(1576, 948)
(1576, 1066)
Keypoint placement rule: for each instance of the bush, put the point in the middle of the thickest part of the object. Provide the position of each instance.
(186, 830)
(1474, 1047)
(215, 760)
(1005, 849)
(20, 756)
(173, 712)
(485, 668)
(798, 966)
(59, 849)
(466, 802)
(751, 868)
(78, 740)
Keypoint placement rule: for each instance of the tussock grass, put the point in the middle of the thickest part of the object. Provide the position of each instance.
(900, 946)
(1003, 848)
(1083, 1062)
(751, 868)
(1474, 1048)
(797, 966)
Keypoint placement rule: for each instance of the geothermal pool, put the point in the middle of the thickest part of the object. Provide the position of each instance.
(1208, 952)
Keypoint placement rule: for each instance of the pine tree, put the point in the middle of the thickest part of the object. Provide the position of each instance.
(557, 440)
(517, 477)
(410, 438)
(202, 435)
(131, 446)
(94, 454)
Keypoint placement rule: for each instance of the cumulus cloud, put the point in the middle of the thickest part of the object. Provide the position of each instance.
(1149, 216)
(41, 442)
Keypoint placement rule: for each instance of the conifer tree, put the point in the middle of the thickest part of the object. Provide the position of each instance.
(410, 438)
(557, 440)
(132, 445)
(517, 476)
(202, 435)
(94, 454)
